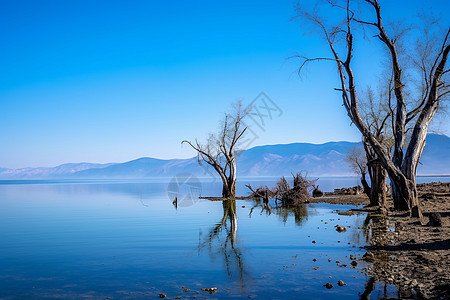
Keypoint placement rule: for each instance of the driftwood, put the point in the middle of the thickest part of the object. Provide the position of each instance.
(283, 192)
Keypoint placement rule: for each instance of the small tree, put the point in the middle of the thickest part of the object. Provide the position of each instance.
(356, 158)
(378, 117)
(219, 150)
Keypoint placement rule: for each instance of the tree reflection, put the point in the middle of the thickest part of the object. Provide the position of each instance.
(222, 240)
(300, 212)
(228, 248)
(375, 230)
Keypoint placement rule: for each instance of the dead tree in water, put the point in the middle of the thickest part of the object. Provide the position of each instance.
(289, 196)
(431, 72)
(219, 151)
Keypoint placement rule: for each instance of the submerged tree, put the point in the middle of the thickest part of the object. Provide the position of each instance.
(430, 64)
(219, 150)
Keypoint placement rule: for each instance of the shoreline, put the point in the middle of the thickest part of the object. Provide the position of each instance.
(402, 252)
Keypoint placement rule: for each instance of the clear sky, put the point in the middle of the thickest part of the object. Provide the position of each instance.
(111, 81)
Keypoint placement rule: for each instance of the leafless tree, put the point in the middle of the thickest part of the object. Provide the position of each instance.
(377, 116)
(356, 159)
(402, 165)
(219, 150)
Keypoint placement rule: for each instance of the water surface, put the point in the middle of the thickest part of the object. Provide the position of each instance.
(126, 239)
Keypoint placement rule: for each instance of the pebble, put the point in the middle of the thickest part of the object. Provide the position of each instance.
(340, 228)
(210, 290)
(328, 285)
(162, 295)
(341, 283)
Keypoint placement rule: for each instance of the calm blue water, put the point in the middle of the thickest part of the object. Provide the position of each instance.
(126, 240)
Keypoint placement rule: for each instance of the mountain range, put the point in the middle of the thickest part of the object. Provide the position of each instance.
(271, 160)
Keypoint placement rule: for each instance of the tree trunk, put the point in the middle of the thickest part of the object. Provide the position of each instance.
(404, 194)
(229, 187)
(377, 173)
(378, 184)
(365, 185)
(232, 177)
(226, 193)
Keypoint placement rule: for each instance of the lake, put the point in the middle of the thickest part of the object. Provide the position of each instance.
(125, 239)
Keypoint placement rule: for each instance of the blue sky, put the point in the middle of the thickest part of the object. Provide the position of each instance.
(111, 81)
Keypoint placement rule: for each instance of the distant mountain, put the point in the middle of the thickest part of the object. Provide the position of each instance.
(61, 171)
(316, 159)
(272, 160)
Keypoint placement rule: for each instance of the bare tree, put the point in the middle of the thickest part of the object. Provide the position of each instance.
(356, 159)
(402, 166)
(219, 151)
(378, 117)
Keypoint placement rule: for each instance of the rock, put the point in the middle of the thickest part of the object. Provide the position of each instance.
(210, 290)
(314, 259)
(368, 256)
(313, 242)
(354, 263)
(341, 283)
(435, 220)
(328, 285)
(352, 257)
(340, 228)
(315, 268)
(186, 290)
(161, 295)
(177, 297)
(317, 193)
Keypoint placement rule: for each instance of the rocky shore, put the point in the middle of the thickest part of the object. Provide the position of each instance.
(402, 252)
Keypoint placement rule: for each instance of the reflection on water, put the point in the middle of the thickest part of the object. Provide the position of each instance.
(375, 229)
(225, 245)
(267, 207)
(126, 240)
